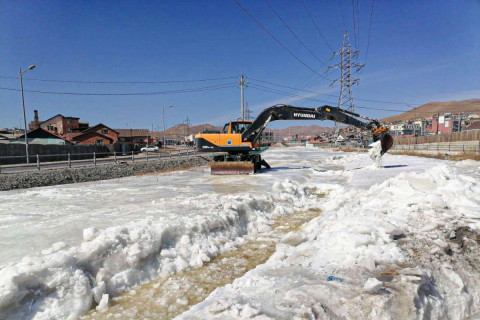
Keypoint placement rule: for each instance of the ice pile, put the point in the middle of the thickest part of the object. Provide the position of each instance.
(405, 248)
(65, 282)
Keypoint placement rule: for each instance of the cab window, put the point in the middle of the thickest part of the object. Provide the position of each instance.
(235, 127)
(243, 126)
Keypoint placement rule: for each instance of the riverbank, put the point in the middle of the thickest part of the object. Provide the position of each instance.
(30, 179)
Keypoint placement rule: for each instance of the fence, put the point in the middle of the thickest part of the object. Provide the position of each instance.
(454, 147)
(438, 138)
(438, 147)
(15, 152)
(49, 161)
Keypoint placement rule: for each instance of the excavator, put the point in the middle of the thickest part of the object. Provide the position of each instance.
(240, 145)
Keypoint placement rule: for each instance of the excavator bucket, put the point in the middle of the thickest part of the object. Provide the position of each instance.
(231, 168)
(386, 141)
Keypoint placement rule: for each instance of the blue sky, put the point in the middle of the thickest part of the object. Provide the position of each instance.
(418, 52)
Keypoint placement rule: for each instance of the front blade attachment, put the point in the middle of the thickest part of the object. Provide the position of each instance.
(231, 168)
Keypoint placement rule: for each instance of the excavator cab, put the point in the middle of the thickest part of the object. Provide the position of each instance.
(236, 126)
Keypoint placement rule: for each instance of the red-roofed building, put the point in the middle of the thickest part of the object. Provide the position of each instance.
(99, 135)
(139, 136)
(474, 125)
(59, 124)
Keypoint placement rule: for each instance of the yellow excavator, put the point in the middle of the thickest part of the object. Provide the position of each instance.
(239, 140)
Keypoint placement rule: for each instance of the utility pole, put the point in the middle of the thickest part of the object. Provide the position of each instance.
(242, 84)
(187, 124)
(151, 135)
(20, 75)
(347, 63)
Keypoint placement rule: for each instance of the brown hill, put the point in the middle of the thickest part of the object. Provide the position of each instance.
(181, 130)
(431, 108)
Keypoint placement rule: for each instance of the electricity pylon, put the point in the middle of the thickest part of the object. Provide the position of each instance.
(347, 81)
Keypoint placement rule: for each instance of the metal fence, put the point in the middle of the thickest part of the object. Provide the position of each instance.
(430, 147)
(53, 161)
(457, 148)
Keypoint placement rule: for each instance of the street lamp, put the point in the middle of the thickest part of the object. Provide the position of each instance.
(20, 75)
(164, 125)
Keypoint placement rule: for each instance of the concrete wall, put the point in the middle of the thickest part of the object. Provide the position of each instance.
(31, 179)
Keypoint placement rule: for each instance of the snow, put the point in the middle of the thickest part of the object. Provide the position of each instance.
(399, 238)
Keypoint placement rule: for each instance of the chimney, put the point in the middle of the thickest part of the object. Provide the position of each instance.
(35, 119)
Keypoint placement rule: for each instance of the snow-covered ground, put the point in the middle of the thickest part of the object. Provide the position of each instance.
(400, 240)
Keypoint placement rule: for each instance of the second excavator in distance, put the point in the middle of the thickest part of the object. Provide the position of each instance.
(240, 139)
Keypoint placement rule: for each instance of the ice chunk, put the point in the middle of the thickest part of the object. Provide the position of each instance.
(293, 238)
(375, 153)
(103, 305)
(99, 291)
(372, 285)
(183, 301)
(90, 233)
(249, 312)
(219, 306)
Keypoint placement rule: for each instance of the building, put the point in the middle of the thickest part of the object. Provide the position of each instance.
(99, 134)
(474, 125)
(409, 128)
(58, 124)
(444, 124)
(42, 136)
(136, 136)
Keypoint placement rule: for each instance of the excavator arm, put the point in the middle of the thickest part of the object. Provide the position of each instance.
(288, 112)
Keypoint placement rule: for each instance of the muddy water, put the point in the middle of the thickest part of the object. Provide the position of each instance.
(167, 298)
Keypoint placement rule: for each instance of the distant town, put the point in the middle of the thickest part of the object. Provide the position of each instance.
(61, 129)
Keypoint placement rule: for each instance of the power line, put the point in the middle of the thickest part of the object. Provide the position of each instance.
(369, 30)
(341, 12)
(330, 95)
(271, 90)
(315, 24)
(223, 86)
(358, 23)
(354, 24)
(121, 82)
(278, 41)
(294, 34)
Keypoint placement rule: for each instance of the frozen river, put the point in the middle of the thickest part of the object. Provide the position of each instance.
(67, 248)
